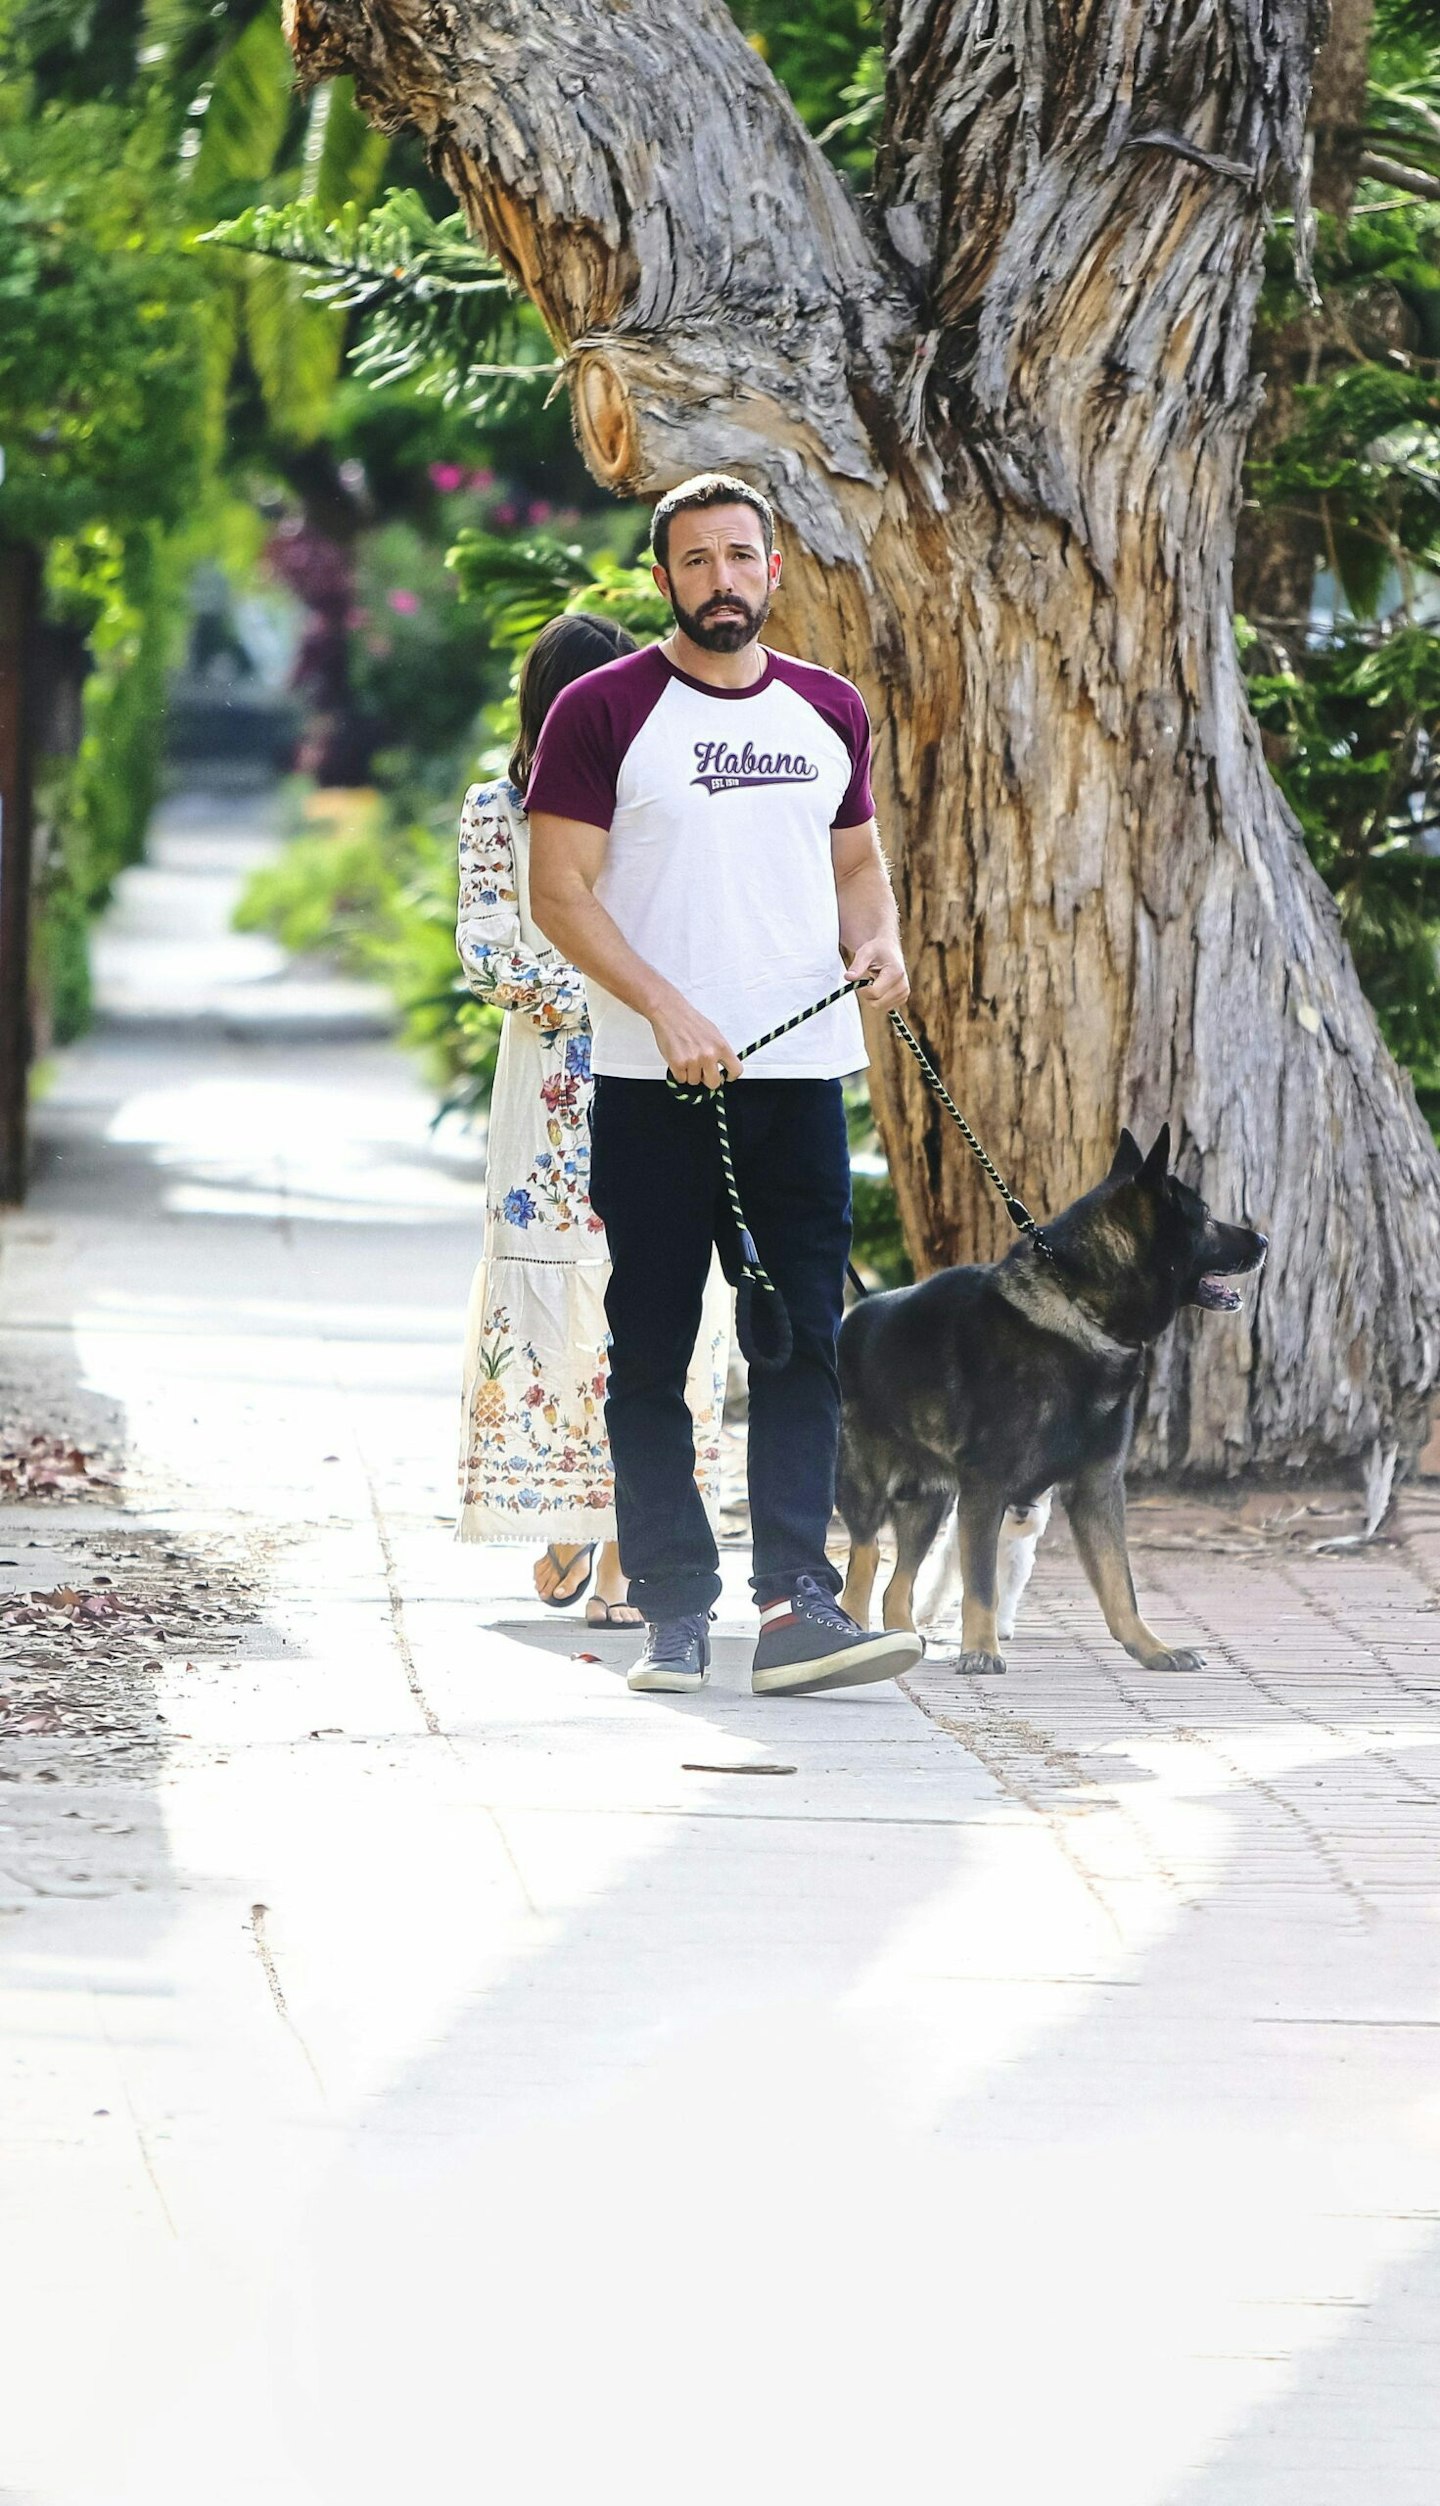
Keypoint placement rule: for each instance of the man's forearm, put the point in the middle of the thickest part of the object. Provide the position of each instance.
(867, 903)
(574, 921)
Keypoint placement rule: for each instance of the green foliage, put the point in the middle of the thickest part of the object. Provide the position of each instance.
(60, 954)
(124, 592)
(1365, 457)
(379, 895)
(1349, 707)
(421, 658)
(830, 60)
(249, 148)
(102, 410)
(239, 115)
(107, 424)
(326, 891)
(518, 585)
(92, 809)
(1401, 120)
(295, 344)
(435, 310)
(1349, 737)
(117, 773)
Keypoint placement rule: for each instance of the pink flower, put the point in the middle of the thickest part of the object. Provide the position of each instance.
(446, 476)
(540, 511)
(505, 517)
(479, 480)
(534, 1396)
(406, 604)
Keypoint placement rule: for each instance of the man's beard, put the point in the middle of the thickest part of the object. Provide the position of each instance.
(720, 634)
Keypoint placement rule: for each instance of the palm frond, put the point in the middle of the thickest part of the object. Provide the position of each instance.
(297, 346)
(344, 158)
(182, 42)
(246, 107)
(296, 349)
(516, 584)
(1402, 117)
(519, 584)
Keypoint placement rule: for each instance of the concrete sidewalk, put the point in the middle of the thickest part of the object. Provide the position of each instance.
(431, 2073)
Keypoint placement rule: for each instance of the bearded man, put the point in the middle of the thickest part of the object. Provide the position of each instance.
(703, 847)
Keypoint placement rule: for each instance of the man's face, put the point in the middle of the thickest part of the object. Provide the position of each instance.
(717, 577)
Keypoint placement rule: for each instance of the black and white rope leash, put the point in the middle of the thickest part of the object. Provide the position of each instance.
(1019, 1214)
(753, 1270)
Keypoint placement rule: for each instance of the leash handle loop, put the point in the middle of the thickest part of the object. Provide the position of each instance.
(751, 1266)
(689, 1095)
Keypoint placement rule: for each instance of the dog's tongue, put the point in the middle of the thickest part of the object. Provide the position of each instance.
(1212, 1291)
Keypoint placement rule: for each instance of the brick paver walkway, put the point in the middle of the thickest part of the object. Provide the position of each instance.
(1255, 1999)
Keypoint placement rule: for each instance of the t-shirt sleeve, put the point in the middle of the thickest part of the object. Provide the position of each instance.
(858, 803)
(843, 707)
(577, 758)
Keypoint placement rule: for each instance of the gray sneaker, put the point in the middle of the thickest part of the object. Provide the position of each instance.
(676, 1655)
(810, 1642)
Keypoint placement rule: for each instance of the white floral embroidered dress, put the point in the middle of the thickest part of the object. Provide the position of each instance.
(535, 1460)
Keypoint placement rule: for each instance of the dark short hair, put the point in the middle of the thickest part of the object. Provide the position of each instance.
(712, 487)
(569, 648)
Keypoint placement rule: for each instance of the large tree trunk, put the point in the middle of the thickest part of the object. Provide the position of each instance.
(1004, 426)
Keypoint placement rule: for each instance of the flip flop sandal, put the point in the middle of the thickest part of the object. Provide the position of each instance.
(567, 1600)
(609, 1610)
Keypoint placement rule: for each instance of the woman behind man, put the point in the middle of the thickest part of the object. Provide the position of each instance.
(535, 1458)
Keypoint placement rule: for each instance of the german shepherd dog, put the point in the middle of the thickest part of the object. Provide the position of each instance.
(988, 1385)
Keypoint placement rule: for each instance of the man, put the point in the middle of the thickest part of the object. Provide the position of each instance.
(703, 845)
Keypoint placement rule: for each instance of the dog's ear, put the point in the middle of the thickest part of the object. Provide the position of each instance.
(1157, 1164)
(1128, 1160)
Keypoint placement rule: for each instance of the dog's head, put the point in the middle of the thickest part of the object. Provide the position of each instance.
(1149, 1245)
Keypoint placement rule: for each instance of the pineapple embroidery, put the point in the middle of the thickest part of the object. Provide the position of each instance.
(488, 1408)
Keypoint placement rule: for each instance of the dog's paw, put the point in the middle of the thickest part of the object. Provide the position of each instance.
(1184, 1658)
(979, 1665)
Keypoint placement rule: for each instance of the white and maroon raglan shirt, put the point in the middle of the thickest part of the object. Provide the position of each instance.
(719, 803)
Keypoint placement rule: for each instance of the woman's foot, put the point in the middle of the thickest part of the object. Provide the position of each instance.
(562, 1574)
(609, 1607)
(602, 1613)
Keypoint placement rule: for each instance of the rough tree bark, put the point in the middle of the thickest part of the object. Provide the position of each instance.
(1003, 421)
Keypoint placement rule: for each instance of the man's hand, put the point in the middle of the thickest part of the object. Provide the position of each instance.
(696, 1052)
(880, 959)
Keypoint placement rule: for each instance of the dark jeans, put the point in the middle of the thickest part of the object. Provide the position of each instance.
(655, 1179)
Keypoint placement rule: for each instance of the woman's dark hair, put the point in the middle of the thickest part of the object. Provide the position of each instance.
(567, 649)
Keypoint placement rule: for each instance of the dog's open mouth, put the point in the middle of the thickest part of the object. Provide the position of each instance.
(1214, 1290)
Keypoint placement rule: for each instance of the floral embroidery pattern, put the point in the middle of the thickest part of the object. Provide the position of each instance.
(545, 1448)
(499, 965)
